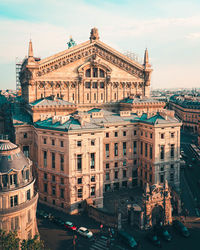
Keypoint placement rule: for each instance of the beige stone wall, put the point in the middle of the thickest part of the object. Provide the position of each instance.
(169, 167)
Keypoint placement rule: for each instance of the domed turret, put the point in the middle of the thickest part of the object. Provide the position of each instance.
(18, 201)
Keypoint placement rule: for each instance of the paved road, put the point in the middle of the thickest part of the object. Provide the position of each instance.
(59, 239)
(190, 176)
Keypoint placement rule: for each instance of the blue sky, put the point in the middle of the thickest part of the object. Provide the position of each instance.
(169, 29)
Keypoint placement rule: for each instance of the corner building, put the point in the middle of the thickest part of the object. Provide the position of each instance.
(89, 126)
(18, 201)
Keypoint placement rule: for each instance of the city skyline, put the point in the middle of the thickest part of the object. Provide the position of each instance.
(171, 36)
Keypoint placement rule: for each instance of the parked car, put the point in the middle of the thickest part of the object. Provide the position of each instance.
(42, 214)
(153, 238)
(181, 228)
(69, 225)
(163, 232)
(58, 221)
(85, 232)
(127, 239)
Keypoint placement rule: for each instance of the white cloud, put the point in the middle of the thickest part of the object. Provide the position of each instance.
(193, 36)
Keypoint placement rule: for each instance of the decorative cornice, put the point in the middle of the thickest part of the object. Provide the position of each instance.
(95, 48)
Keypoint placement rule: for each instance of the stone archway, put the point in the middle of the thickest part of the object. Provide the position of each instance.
(157, 215)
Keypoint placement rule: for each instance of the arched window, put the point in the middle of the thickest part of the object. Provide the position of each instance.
(95, 72)
(102, 73)
(88, 73)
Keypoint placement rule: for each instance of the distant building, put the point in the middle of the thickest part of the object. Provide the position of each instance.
(187, 109)
(18, 200)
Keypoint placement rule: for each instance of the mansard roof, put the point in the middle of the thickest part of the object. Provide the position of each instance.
(99, 121)
(48, 101)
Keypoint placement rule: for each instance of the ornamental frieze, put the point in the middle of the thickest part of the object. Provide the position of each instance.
(97, 50)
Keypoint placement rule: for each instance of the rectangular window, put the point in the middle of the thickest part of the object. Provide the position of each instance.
(101, 85)
(135, 132)
(53, 178)
(172, 135)
(107, 165)
(62, 193)
(150, 177)
(161, 178)
(124, 163)
(78, 143)
(45, 176)
(95, 96)
(93, 178)
(92, 142)
(61, 144)
(53, 160)
(53, 142)
(124, 133)
(28, 194)
(53, 190)
(45, 187)
(116, 174)
(87, 85)
(146, 145)
(107, 150)
(151, 151)
(172, 151)
(94, 85)
(107, 135)
(88, 96)
(26, 151)
(162, 152)
(151, 135)
(141, 148)
(92, 160)
(92, 190)
(62, 181)
(79, 162)
(124, 173)
(80, 193)
(27, 174)
(171, 177)
(107, 176)
(45, 141)
(162, 136)
(116, 149)
(25, 135)
(62, 162)
(135, 147)
(116, 164)
(45, 158)
(102, 96)
(124, 148)
(116, 134)
(79, 180)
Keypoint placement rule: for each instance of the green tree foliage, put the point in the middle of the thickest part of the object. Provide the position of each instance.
(10, 241)
(33, 244)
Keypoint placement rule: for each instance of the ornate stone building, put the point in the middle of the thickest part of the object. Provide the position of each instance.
(18, 201)
(89, 127)
(88, 74)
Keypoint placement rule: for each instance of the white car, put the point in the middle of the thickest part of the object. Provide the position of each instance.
(85, 232)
